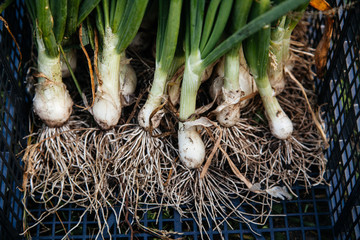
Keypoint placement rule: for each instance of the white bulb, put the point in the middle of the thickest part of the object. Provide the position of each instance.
(191, 147)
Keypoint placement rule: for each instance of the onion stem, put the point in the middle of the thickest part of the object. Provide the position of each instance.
(52, 102)
(166, 42)
(279, 123)
(107, 105)
(117, 27)
(54, 23)
(257, 55)
(236, 80)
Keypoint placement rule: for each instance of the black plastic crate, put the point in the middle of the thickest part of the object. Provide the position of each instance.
(326, 212)
(14, 109)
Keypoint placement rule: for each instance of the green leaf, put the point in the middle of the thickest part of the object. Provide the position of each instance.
(86, 7)
(72, 17)
(90, 32)
(209, 22)
(106, 13)
(160, 34)
(118, 14)
(130, 22)
(112, 9)
(45, 25)
(197, 8)
(99, 22)
(221, 20)
(171, 34)
(240, 13)
(31, 8)
(252, 27)
(59, 14)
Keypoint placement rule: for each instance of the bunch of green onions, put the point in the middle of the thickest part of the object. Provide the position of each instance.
(253, 52)
(201, 49)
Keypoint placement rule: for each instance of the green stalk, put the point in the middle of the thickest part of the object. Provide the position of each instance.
(239, 17)
(190, 85)
(166, 42)
(232, 70)
(257, 55)
(194, 66)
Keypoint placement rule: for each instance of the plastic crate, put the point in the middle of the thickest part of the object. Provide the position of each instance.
(14, 110)
(327, 212)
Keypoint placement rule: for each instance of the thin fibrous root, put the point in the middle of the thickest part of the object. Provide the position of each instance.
(218, 195)
(63, 169)
(143, 162)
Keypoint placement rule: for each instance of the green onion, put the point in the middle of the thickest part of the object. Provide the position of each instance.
(201, 36)
(237, 79)
(52, 102)
(117, 27)
(257, 55)
(166, 42)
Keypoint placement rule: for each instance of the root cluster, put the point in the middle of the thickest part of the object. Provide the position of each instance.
(127, 169)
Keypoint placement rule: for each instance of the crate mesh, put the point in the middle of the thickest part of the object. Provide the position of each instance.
(326, 212)
(307, 217)
(13, 122)
(340, 93)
